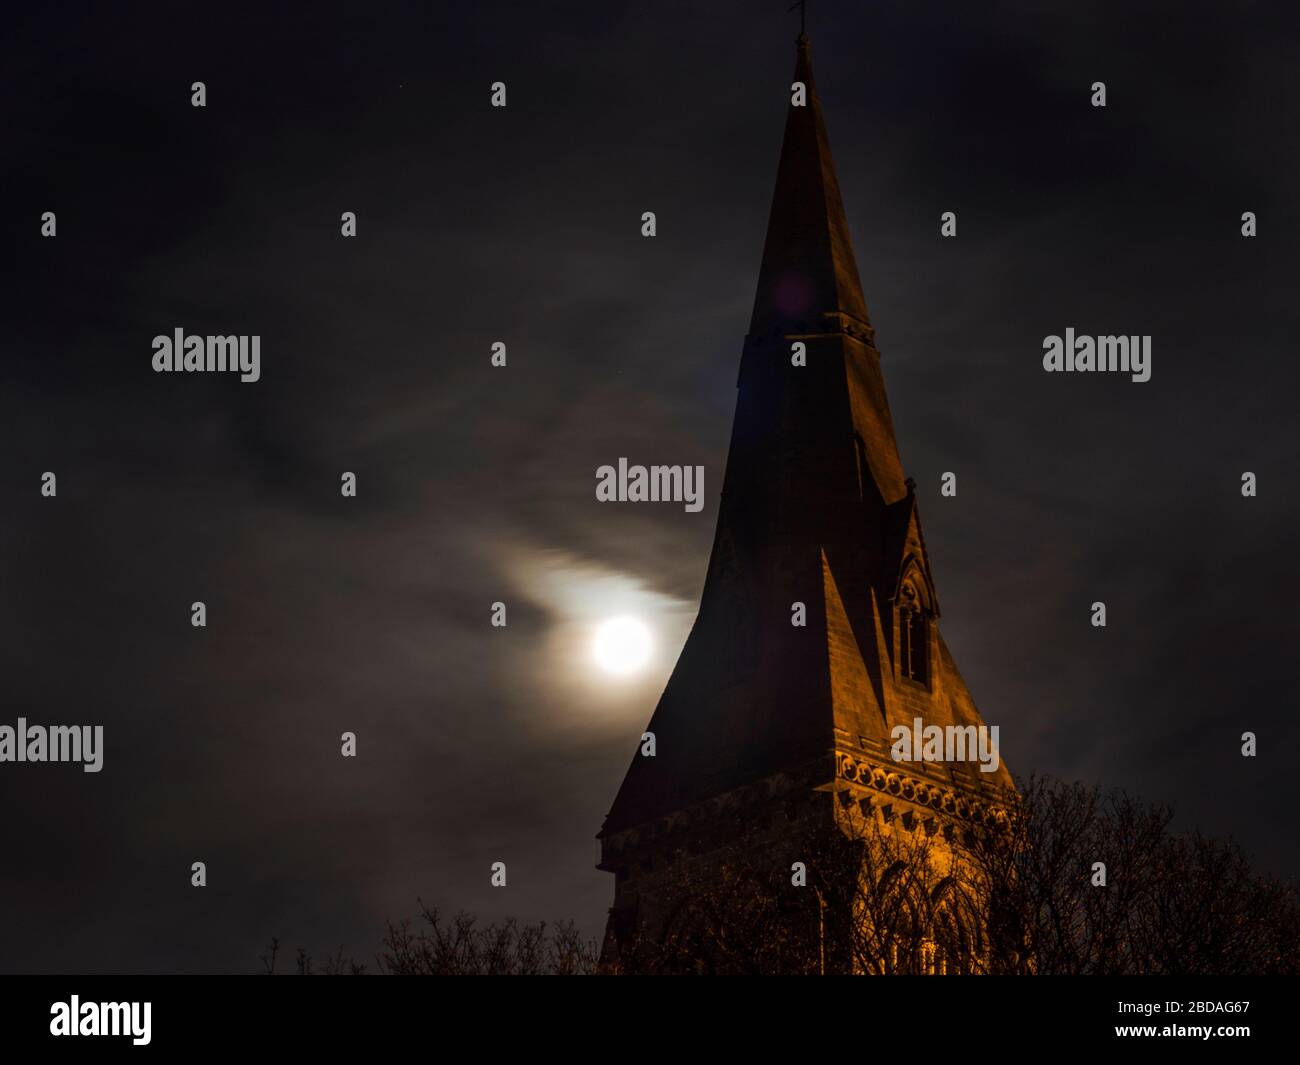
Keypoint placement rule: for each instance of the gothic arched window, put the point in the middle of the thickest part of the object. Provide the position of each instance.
(913, 635)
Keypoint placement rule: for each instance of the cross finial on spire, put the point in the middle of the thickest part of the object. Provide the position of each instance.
(802, 6)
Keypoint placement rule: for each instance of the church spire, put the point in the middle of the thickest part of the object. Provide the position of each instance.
(817, 634)
(808, 274)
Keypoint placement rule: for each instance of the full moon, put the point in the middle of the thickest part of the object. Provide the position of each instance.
(622, 645)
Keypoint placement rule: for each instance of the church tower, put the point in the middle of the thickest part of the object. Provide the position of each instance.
(783, 721)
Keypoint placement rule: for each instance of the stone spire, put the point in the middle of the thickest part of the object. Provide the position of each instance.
(815, 518)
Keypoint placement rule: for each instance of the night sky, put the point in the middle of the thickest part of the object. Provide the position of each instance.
(476, 484)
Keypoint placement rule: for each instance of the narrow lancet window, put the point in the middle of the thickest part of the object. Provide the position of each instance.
(913, 636)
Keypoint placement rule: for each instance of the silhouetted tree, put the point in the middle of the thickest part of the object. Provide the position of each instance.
(462, 947)
(1171, 903)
